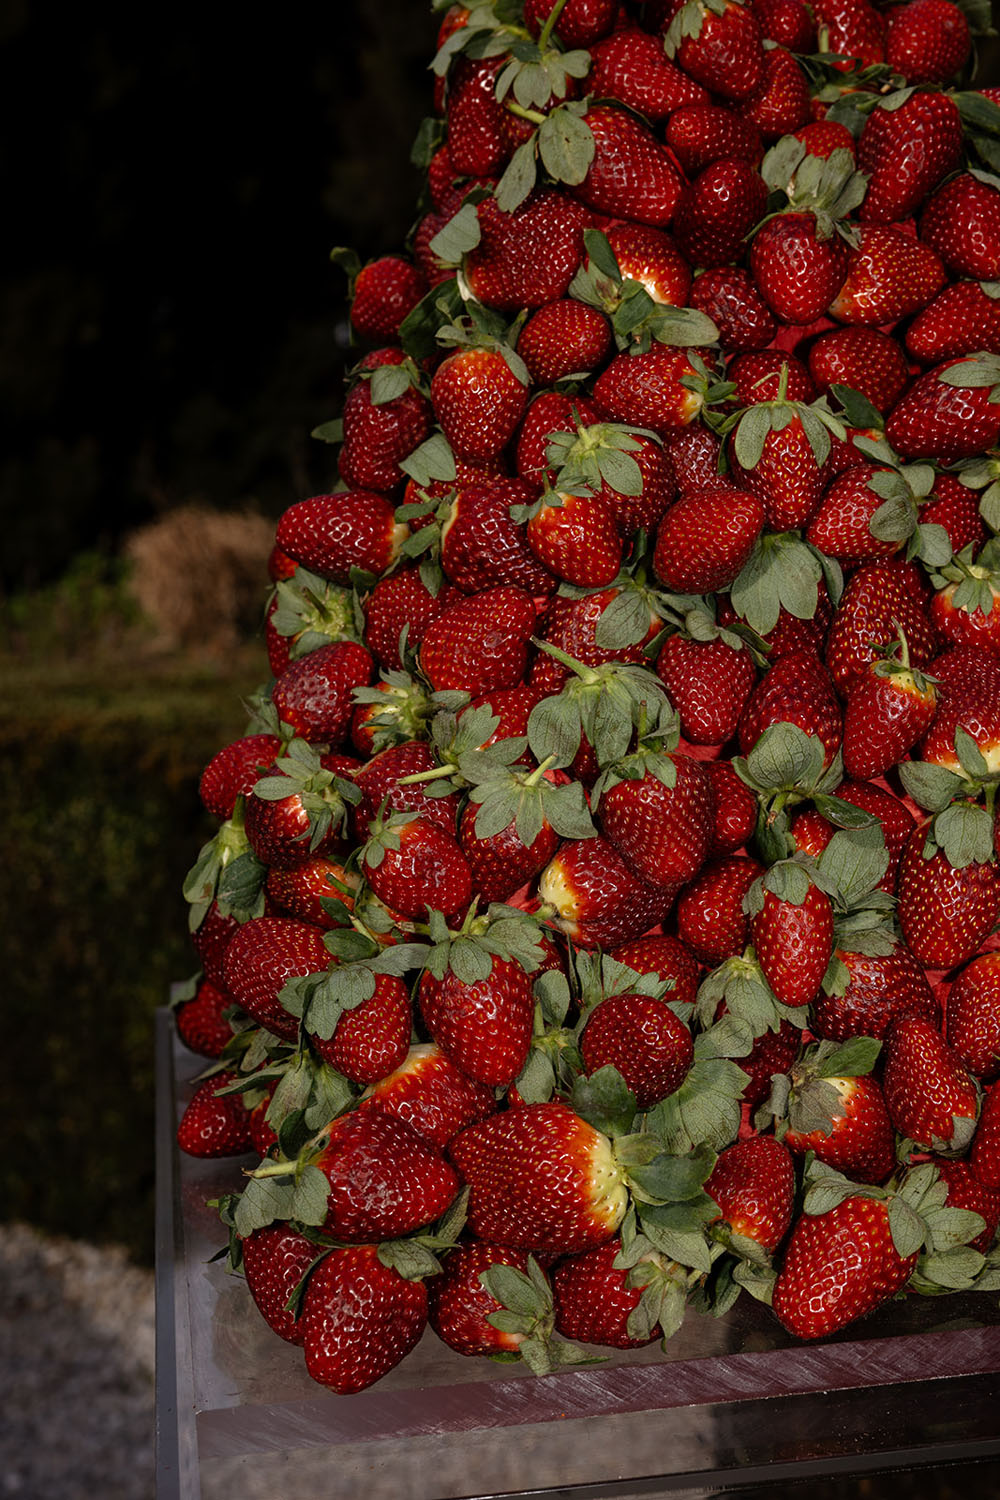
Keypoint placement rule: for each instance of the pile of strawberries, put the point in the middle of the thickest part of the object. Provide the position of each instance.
(600, 918)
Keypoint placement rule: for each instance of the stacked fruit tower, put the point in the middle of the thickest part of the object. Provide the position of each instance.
(600, 920)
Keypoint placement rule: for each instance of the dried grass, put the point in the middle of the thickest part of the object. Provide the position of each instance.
(199, 576)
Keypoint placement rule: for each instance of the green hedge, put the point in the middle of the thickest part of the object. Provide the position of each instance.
(101, 820)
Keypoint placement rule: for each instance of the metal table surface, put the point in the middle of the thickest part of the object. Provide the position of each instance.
(733, 1406)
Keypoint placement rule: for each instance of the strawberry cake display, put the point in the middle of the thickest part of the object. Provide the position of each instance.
(600, 925)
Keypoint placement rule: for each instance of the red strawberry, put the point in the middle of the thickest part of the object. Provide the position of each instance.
(841, 524)
(431, 1095)
(881, 987)
(641, 1037)
(708, 683)
(984, 1155)
(578, 23)
(210, 941)
(698, 134)
(661, 831)
(787, 22)
(232, 772)
(876, 604)
(275, 1259)
(973, 1012)
(856, 1137)
(735, 809)
(485, 1027)
(384, 292)
(711, 918)
(947, 413)
(478, 400)
(541, 1179)
(384, 1179)
(334, 534)
(631, 66)
(718, 210)
(721, 47)
(769, 375)
(852, 30)
(415, 867)
(772, 1052)
(371, 1040)
(839, 1266)
(480, 643)
(631, 175)
(944, 912)
(263, 956)
(500, 862)
(927, 41)
(563, 338)
(780, 102)
(650, 257)
(823, 137)
(201, 1024)
(401, 599)
(961, 221)
(594, 896)
(380, 433)
(890, 274)
(481, 547)
(477, 141)
(706, 537)
(576, 536)
(795, 690)
(459, 1305)
(954, 506)
(793, 940)
(728, 295)
(300, 892)
(360, 1318)
(863, 358)
(647, 390)
(961, 319)
(384, 777)
(214, 1125)
(798, 272)
(966, 1191)
(889, 707)
(906, 148)
(527, 257)
(753, 1183)
(595, 1298)
(315, 693)
(931, 1095)
(667, 958)
(968, 695)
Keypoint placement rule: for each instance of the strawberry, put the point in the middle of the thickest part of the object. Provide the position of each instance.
(477, 142)
(769, 375)
(984, 1154)
(650, 257)
(527, 257)
(792, 932)
(631, 175)
(787, 22)
(961, 319)
(201, 1023)
(889, 707)
(667, 958)
(484, 1027)
(647, 390)
(798, 273)
(711, 918)
(779, 104)
(875, 606)
(954, 506)
(430, 1094)
(661, 821)
(796, 689)
(576, 537)
(907, 146)
(641, 1037)
(401, 599)
(548, 416)
(966, 1191)
(500, 862)
(383, 293)
(631, 66)
(383, 778)
(371, 1040)
(961, 222)
(315, 693)
(296, 811)
(973, 1012)
(563, 338)
(210, 941)
(968, 695)
(360, 1318)
(482, 547)
(753, 1183)
(927, 41)
(717, 211)
(212, 1124)
(881, 987)
(334, 534)
(459, 1306)
(571, 624)
(301, 892)
(699, 134)
(966, 611)
(480, 643)
(841, 524)
(233, 770)
(708, 683)
(720, 46)
(415, 867)
(384, 1179)
(863, 358)
(890, 275)
(855, 1134)
(852, 30)
(837, 1267)
(948, 413)
(944, 912)
(578, 22)
(479, 395)
(728, 295)
(693, 455)
(772, 1052)
(594, 896)
(931, 1096)
(597, 1298)
(264, 954)
(706, 538)
(781, 461)
(381, 429)
(541, 1179)
(274, 1259)
(735, 809)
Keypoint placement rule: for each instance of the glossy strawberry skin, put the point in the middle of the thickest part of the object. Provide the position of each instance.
(201, 1024)
(264, 955)
(478, 401)
(378, 436)
(797, 273)
(360, 1318)
(793, 944)
(401, 599)
(596, 898)
(333, 534)
(931, 1096)
(706, 537)
(732, 300)
(526, 258)
(875, 605)
(427, 872)
(563, 338)
(643, 1038)
(645, 390)
(631, 176)
(960, 319)
(890, 275)
(863, 358)
(542, 1179)
(881, 987)
(385, 1179)
(485, 1028)
(973, 1012)
(593, 1300)
(837, 1267)
(315, 693)
(984, 1154)
(233, 770)
(701, 133)
(214, 1125)
(459, 1305)
(795, 690)
(372, 1040)
(500, 863)
(661, 832)
(576, 537)
(431, 1095)
(966, 1191)
(275, 1259)
(481, 547)
(884, 717)
(708, 683)
(944, 913)
(717, 210)
(384, 776)
(385, 291)
(861, 1142)
(726, 53)
(753, 1183)
(710, 915)
(941, 421)
(480, 643)
(668, 958)
(927, 41)
(906, 152)
(631, 66)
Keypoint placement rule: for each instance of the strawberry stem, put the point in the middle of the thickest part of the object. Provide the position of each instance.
(550, 23)
(539, 771)
(436, 774)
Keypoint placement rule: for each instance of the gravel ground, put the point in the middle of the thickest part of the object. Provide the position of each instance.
(76, 1370)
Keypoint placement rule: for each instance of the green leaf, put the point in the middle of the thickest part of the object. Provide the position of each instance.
(855, 860)
(932, 787)
(263, 1200)
(460, 235)
(965, 834)
(624, 621)
(566, 146)
(310, 1198)
(518, 178)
